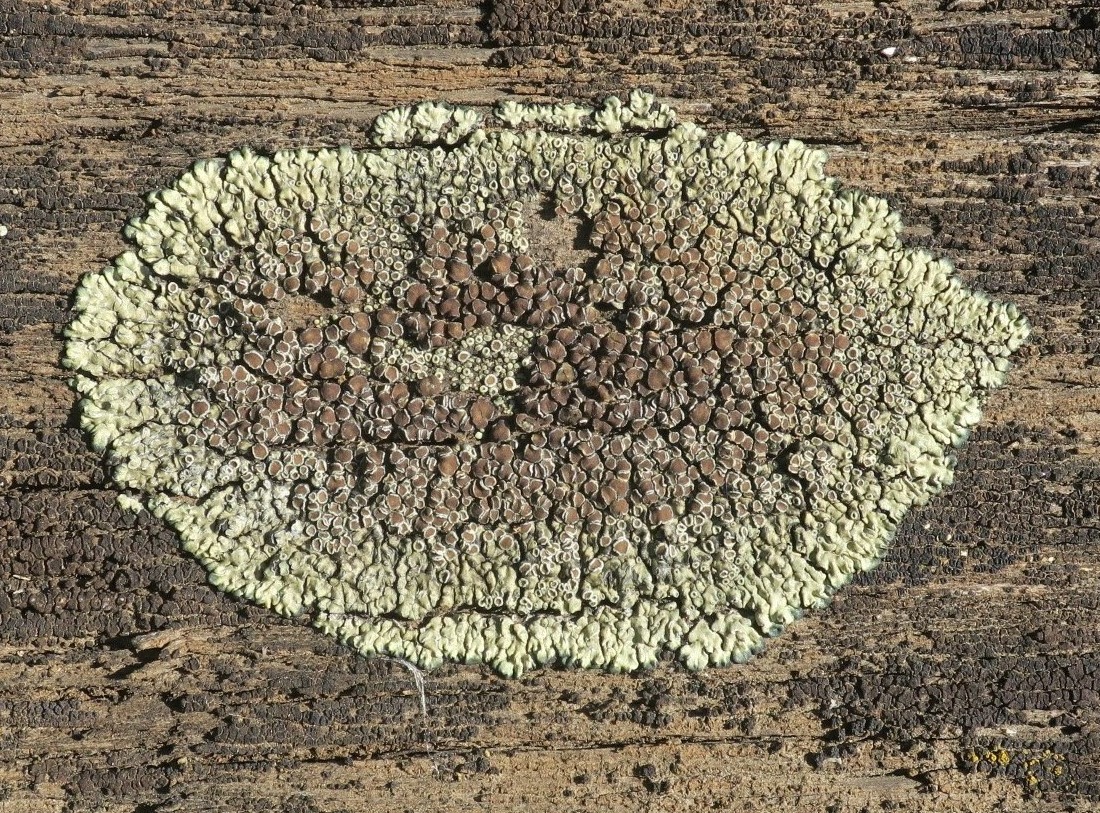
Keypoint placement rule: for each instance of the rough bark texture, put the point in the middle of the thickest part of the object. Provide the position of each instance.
(962, 674)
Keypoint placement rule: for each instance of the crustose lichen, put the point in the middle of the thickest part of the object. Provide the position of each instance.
(564, 385)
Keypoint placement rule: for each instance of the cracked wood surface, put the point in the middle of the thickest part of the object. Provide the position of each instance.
(962, 674)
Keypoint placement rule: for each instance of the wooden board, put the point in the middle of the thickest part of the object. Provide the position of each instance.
(963, 674)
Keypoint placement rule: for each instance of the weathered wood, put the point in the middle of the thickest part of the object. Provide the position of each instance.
(960, 675)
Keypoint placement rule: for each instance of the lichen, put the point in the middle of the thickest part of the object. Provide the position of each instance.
(560, 385)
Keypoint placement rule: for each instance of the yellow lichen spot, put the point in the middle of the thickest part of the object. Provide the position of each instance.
(555, 384)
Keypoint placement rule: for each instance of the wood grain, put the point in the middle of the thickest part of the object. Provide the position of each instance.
(962, 674)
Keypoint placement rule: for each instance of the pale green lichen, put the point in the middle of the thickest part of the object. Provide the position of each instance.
(575, 385)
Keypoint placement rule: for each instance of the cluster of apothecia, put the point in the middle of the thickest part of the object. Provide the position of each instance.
(363, 387)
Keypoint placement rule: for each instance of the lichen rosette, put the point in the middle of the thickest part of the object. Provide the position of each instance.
(564, 385)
